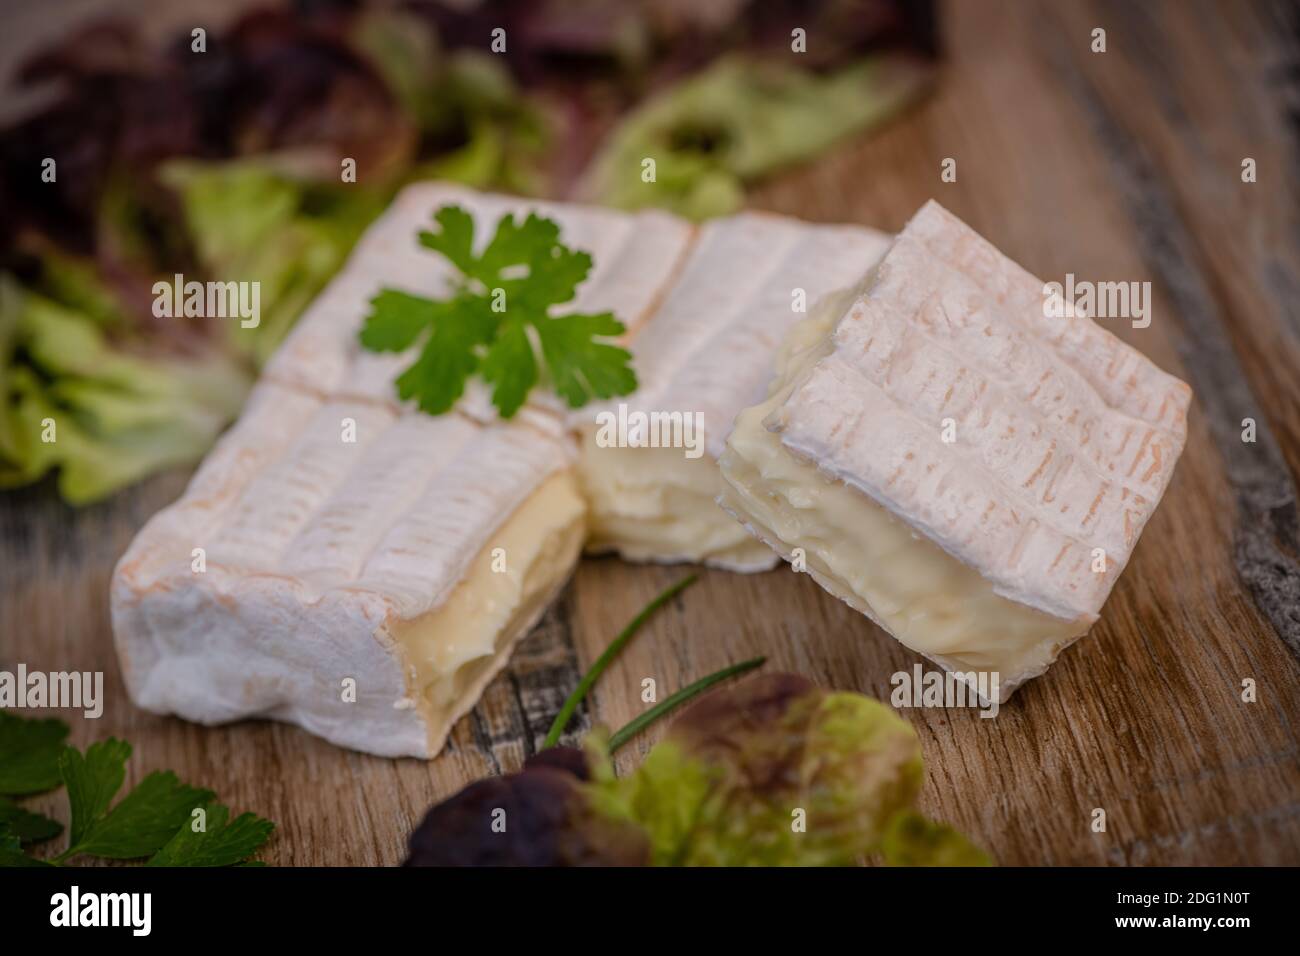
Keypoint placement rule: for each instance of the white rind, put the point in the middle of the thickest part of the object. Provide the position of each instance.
(708, 351)
(1066, 437)
(634, 258)
(705, 308)
(947, 457)
(710, 345)
(320, 551)
(315, 549)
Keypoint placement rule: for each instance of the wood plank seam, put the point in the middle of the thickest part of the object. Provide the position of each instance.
(1267, 539)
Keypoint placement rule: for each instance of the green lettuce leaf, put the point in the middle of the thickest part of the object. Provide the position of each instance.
(740, 119)
(768, 772)
(912, 840)
(74, 401)
(253, 222)
(835, 768)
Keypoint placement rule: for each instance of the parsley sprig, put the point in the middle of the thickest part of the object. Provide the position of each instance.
(155, 820)
(495, 320)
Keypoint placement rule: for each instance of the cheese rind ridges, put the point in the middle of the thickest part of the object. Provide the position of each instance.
(708, 352)
(301, 583)
(925, 403)
(946, 398)
(1125, 378)
(633, 255)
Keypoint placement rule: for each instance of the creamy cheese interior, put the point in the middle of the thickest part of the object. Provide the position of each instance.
(655, 504)
(860, 552)
(453, 651)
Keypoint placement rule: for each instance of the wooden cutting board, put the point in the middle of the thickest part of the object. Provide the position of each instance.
(1123, 165)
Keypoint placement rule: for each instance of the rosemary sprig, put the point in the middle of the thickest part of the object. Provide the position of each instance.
(641, 722)
(615, 648)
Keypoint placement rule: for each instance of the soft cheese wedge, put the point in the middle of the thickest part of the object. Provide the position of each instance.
(365, 590)
(704, 355)
(966, 471)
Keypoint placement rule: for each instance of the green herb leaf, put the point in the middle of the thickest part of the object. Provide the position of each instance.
(511, 369)
(141, 823)
(456, 240)
(153, 819)
(11, 852)
(615, 648)
(482, 326)
(146, 818)
(438, 377)
(221, 843)
(29, 753)
(397, 319)
(92, 781)
(582, 367)
(27, 826)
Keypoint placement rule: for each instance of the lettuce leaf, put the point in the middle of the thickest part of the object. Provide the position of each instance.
(253, 222)
(717, 131)
(768, 772)
(103, 416)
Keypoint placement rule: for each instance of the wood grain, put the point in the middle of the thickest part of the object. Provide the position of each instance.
(1124, 166)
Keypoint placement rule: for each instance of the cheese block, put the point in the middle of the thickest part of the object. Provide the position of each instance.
(705, 355)
(356, 570)
(348, 564)
(967, 471)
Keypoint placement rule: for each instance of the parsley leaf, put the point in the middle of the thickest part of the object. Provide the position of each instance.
(221, 843)
(28, 827)
(496, 320)
(11, 853)
(581, 366)
(437, 379)
(455, 240)
(396, 320)
(29, 753)
(141, 823)
(92, 781)
(510, 369)
(154, 820)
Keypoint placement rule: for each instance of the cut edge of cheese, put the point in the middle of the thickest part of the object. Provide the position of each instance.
(900, 580)
(656, 505)
(1070, 453)
(706, 355)
(856, 402)
(451, 654)
(273, 632)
